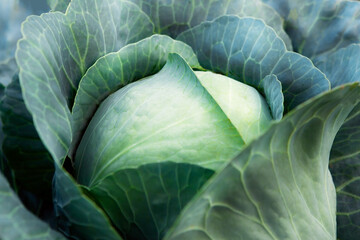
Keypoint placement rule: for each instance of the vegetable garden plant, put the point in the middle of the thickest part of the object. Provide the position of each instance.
(186, 119)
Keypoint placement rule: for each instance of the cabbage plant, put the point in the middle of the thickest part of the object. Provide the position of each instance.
(197, 119)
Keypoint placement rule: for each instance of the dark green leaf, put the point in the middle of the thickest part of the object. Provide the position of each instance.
(78, 216)
(16, 222)
(7, 69)
(32, 164)
(345, 169)
(341, 67)
(4, 164)
(147, 199)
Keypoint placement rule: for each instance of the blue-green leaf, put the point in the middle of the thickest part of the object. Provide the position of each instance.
(279, 186)
(341, 66)
(274, 96)
(248, 50)
(173, 17)
(319, 26)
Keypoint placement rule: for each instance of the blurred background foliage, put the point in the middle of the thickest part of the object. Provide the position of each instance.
(12, 14)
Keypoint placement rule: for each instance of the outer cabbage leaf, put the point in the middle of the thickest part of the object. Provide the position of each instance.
(173, 17)
(131, 63)
(341, 67)
(319, 26)
(148, 199)
(78, 216)
(248, 50)
(57, 49)
(58, 5)
(32, 164)
(26, 163)
(16, 222)
(279, 186)
(345, 169)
